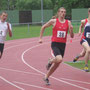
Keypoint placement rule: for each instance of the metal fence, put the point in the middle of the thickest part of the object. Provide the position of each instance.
(29, 30)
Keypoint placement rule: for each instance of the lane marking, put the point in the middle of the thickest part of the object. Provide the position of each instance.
(11, 83)
(29, 49)
(21, 40)
(19, 44)
(20, 71)
(75, 80)
(32, 85)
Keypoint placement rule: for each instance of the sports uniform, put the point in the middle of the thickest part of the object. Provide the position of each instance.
(59, 37)
(86, 33)
(4, 26)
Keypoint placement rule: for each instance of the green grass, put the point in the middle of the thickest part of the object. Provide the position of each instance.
(79, 64)
(23, 31)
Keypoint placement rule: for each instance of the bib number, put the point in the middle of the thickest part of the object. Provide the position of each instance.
(2, 33)
(61, 34)
(88, 34)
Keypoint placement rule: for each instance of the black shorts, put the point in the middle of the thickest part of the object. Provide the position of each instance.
(1, 48)
(85, 40)
(58, 48)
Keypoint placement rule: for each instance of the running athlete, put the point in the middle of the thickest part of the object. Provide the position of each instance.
(85, 41)
(59, 37)
(4, 28)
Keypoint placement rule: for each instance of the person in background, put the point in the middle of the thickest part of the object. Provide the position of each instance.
(85, 41)
(4, 28)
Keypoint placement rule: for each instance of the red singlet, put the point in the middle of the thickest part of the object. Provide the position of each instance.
(60, 31)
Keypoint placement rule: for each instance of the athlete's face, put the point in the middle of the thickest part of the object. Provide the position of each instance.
(3, 17)
(62, 13)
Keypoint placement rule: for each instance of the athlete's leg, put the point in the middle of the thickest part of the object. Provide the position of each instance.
(87, 48)
(0, 55)
(82, 54)
(1, 49)
(56, 61)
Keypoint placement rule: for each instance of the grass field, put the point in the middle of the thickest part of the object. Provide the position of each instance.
(23, 31)
(79, 64)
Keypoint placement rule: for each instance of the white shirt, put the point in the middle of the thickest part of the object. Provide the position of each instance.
(3, 31)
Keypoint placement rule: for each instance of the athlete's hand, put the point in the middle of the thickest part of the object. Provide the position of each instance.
(40, 41)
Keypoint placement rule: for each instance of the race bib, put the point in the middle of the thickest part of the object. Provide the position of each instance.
(2, 33)
(88, 34)
(61, 34)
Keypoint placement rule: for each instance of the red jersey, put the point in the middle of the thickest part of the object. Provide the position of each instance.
(60, 31)
(83, 37)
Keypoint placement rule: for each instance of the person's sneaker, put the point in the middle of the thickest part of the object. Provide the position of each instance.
(49, 64)
(46, 81)
(76, 58)
(86, 69)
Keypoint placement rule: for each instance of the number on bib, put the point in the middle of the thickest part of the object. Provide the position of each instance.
(88, 34)
(61, 34)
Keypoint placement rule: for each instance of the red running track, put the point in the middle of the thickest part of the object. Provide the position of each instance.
(22, 66)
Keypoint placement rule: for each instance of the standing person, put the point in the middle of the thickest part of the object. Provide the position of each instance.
(85, 41)
(59, 36)
(4, 28)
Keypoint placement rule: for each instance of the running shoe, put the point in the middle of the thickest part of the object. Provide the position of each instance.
(76, 58)
(49, 64)
(86, 69)
(46, 80)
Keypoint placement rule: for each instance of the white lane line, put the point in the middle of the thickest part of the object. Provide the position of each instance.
(32, 85)
(26, 40)
(22, 57)
(19, 45)
(20, 71)
(16, 42)
(70, 83)
(13, 47)
(75, 80)
(7, 49)
(11, 83)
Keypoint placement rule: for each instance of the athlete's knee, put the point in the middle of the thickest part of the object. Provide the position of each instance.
(59, 59)
(82, 54)
(88, 50)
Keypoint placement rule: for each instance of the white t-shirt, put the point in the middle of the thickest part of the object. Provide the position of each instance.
(4, 30)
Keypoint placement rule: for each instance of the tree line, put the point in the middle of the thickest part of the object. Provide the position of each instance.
(47, 4)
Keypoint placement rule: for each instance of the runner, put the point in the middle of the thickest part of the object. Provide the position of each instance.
(59, 37)
(85, 41)
(4, 28)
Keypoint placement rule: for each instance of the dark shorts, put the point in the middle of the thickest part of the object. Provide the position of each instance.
(1, 48)
(58, 48)
(85, 40)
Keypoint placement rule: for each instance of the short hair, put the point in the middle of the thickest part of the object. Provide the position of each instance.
(4, 12)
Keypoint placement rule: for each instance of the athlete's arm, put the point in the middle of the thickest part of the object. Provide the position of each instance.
(81, 26)
(9, 29)
(49, 23)
(71, 29)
